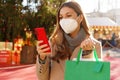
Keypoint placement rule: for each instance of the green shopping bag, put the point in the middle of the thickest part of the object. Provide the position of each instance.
(87, 70)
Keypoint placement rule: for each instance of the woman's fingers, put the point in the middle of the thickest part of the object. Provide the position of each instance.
(87, 44)
(42, 49)
(39, 42)
(43, 46)
(45, 50)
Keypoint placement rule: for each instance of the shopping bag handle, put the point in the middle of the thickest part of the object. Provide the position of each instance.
(98, 66)
(80, 52)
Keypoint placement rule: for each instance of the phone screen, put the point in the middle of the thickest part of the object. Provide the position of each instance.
(41, 35)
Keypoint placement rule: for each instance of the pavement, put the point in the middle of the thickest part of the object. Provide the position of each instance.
(28, 72)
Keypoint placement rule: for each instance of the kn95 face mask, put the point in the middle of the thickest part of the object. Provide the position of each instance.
(68, 25)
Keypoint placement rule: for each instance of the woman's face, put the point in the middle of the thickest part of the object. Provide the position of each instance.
(66, 13)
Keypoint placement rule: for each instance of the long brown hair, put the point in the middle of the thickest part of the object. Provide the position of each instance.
(59, 45)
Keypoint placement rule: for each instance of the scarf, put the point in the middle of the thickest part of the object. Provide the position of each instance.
(76, 41)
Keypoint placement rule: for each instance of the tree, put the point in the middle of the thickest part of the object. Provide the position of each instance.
(45, 15)
(15, 18)
(10, 19)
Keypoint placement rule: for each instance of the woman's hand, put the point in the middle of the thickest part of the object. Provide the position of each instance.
(42, 49)
(88, 44)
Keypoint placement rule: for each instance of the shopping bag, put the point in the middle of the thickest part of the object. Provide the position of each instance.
(87, 70)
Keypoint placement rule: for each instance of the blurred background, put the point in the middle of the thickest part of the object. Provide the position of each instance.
(19, 18)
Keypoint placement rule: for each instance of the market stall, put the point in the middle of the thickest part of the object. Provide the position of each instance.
(105, 29)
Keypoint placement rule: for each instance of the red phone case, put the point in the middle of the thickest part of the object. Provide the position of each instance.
(41, 35)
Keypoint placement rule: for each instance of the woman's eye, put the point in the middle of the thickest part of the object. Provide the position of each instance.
(69, 15)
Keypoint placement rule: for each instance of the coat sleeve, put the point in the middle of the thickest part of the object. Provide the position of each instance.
(42, 70)
(98, 47)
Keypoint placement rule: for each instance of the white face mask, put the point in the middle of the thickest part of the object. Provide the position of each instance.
(68, 25)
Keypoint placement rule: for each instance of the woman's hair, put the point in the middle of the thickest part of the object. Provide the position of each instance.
(59, 45)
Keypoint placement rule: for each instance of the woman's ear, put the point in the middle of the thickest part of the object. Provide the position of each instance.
(80, 18)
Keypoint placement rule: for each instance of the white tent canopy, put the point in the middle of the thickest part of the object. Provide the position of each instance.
(101, 21)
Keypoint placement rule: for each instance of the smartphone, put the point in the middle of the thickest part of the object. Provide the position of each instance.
(41, 35)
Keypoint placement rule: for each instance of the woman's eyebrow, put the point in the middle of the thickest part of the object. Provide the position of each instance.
(68, 12)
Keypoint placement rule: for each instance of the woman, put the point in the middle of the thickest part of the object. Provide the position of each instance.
(71, 34)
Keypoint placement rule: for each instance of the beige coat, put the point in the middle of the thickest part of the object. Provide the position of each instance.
(56, 71)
